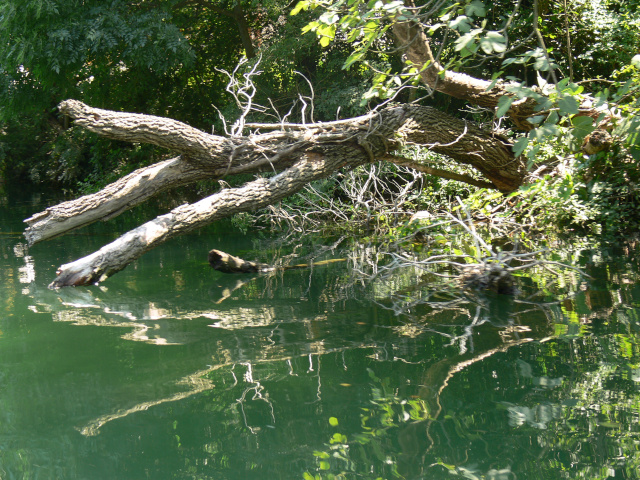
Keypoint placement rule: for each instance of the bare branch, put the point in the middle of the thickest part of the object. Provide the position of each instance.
(257, 194)
(133, 127)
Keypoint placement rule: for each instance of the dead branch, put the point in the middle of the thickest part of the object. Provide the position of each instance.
(257, 194)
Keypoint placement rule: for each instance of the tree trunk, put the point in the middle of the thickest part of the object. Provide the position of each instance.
(301, 153)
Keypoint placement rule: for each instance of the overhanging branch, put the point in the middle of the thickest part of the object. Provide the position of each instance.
(302, 153)
(257, 194)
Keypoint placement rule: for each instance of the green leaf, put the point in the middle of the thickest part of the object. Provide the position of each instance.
(536, 120)
(504, 102)
(329, 18)
(520, 146)
(547, 130)
(601, 98)
(466, 39)
(552, 119)
(462, 24)
(543, 64)
(495, 78)
(568, 105)
(493, 42)
(302, 5)
(434, 28)
(393, 6)
(311, 26)
(475, 8)
(582, 126)
(353, 58)
(544, 103)
(333, 421)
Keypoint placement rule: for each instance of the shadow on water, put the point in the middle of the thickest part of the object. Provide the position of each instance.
(172, 370)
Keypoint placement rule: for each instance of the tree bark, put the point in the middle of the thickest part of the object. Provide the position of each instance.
(114, 199)
(301, 153)
(416, 46)
(117, 255)
(360, 140)
(415, 43)
(225, 263)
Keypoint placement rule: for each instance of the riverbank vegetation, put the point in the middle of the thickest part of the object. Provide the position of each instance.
(519, 113)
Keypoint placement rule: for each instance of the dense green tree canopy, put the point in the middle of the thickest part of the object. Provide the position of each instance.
(539, 74)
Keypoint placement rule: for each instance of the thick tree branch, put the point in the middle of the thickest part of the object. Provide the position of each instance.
(371, 137)
(117, 255)
(132, 127)
(302, 153)
(111, 201)
(415, 43)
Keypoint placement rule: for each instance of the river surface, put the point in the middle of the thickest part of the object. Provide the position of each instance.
(170, 370)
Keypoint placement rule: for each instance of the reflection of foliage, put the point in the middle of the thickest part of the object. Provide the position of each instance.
(369, 455)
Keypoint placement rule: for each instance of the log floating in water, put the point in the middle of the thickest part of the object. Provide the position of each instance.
(225, 263)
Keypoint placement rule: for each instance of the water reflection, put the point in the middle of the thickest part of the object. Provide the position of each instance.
(201, 375)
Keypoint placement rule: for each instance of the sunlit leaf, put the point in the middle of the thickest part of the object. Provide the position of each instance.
(311, 26)
(520, 146)
(302, 5)
(329, 18)
(461, 23)
(536, 119)
(568, 105)
(352, 59)
(543, 64)
(493, 42)
(466, 39)
(504, 103)
(582, 126)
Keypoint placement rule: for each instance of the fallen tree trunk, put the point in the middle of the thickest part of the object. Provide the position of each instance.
(301, 153)
(118, 254)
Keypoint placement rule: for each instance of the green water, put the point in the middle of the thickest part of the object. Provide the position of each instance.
(170, 370)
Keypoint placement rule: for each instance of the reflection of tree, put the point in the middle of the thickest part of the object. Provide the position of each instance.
(469, 384)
